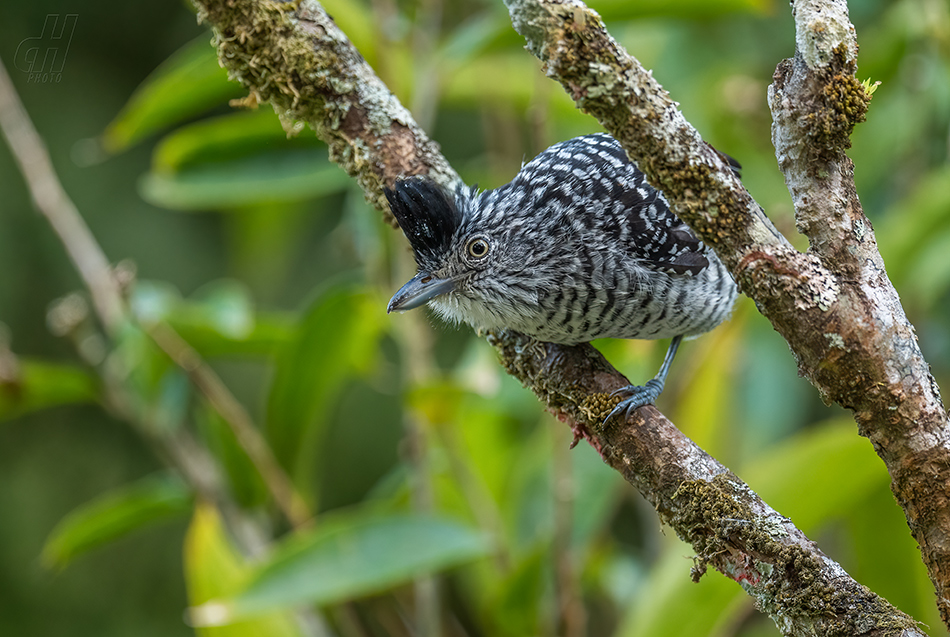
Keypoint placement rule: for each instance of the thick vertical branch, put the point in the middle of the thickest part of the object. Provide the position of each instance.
(834, 305)
(306, 69)
(729, 526)
(816, 100)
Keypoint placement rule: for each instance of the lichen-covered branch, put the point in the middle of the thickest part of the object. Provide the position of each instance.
(815, 101)
(278, 54)
(728, 525)
(834, 305)
(304, 66)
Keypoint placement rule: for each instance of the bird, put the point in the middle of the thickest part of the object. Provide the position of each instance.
(577, 247)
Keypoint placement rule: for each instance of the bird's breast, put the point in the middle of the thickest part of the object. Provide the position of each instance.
(625, 302)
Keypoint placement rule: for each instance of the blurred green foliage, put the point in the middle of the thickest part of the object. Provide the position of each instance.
(414, 451)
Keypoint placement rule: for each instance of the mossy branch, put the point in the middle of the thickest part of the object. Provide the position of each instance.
(298, 60)
(730, 527)
(834, 304)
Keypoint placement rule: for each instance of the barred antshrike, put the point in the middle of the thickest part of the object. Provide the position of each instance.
(577, 247)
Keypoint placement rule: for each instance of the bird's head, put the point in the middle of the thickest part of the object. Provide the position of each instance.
(465, 261)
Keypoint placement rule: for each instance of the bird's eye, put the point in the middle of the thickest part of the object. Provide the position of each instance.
(478, 248)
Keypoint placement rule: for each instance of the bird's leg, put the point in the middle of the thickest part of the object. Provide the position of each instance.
(636, 396)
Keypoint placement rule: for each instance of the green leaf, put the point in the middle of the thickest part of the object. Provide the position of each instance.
(219, 320)
(350, 556)
(236, 135)
(214, 568)
(512, 74)
(143, 365)
(528, 506)
(670, 603)
(913, 235)
(929, 271)
(869, 86)
(228, 306)
(152, 301)
(516, 604)
(336, 339)
(477, 34)
(244, 479)
(32, 385)
(188, 83)
(169, 409)
(268, 332)
(886, 559)
(597, 490)
(263, 178)
(707, 403)
(115, 514)
(832, 454)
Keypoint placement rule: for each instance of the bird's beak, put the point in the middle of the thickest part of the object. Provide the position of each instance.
(420, 289)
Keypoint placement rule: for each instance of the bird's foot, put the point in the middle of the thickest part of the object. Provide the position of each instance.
(634, 397)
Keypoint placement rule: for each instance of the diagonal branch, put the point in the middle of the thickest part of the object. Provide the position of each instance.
(730, 527)
(303, 65)
(55, 205)
(52, 201)
(834, 305)
(307, 69)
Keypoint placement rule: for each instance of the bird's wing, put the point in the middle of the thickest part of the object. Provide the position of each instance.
(660, 239)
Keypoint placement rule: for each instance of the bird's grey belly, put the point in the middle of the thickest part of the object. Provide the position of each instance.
(659, 307)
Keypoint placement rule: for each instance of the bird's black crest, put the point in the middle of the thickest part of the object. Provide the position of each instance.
(427, 215)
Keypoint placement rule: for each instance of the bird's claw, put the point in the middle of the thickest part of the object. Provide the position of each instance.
(636, 396)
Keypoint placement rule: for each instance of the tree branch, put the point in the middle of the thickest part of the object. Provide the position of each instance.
(730, 527)
(307, 69)
(248, 436)
(54, 204)
(302, 64)
(834, 305)
(871, 363)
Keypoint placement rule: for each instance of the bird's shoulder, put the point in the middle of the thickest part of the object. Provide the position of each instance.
(658, 237)
(620, 203)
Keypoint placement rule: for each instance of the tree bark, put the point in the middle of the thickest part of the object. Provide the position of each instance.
(834, 304)
(304, 66)
(307, 69)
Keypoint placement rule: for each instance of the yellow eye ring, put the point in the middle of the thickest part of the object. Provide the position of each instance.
(478, 248)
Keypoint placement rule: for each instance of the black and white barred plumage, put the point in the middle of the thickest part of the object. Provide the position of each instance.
(577, 246)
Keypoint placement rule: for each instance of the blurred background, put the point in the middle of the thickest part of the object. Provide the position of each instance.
(402, 436)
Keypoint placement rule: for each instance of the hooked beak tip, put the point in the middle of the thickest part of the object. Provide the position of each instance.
(418, 291)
